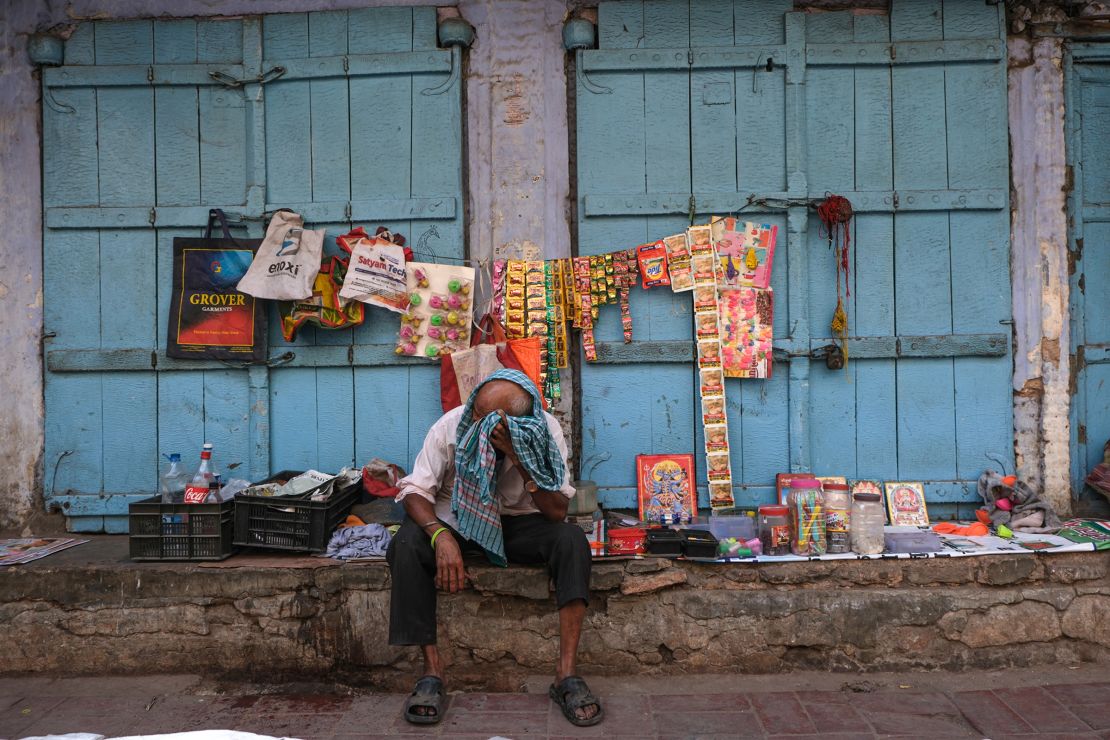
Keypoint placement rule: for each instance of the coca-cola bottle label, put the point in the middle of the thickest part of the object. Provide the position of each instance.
(195, 494)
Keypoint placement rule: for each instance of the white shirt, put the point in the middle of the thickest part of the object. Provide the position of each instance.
(433, 473)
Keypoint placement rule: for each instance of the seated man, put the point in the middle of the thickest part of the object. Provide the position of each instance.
(491, 478)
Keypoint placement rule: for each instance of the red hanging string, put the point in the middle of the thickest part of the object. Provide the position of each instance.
(836, 218)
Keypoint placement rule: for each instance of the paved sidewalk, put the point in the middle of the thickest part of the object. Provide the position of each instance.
(1005, 705)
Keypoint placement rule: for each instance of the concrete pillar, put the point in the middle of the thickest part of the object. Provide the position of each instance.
(1039, 267)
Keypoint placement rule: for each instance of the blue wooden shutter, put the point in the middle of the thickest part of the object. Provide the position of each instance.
(356, 121)
(1089, 211)
(730, 103)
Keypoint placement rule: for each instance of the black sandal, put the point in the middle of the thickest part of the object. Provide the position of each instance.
(430, 695)
(572, 694)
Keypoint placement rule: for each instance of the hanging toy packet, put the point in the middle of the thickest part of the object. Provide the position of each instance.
(440, 310)
(746, 252)
(653, 264)
(376, 274)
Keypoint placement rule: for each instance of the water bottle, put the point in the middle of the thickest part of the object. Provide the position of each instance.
(174, 481)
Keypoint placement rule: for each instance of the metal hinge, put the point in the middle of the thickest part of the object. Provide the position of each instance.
(1069, 178)
(351, 355)
(154, 359)
(690, 57)
(347, 211)
(346, 65)
(693, 208)
(152, 216)
(893, 52)
(895, 199)
(150, 74)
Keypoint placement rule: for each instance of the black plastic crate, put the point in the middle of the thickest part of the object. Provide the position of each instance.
(297, 524)
(180, 531)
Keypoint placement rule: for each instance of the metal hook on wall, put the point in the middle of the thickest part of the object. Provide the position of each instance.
(583, 78)
(456, 34)
(456, 62)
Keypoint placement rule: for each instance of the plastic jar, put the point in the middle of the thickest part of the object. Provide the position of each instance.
(838, 514)
(868, 519)
(807, 517)
(774, 530)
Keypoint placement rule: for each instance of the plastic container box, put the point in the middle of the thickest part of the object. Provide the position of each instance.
(911, 542)
(740, 527)
(663, 542)
(627, 541)
(698, 543)
(180, 531)
(296, 524)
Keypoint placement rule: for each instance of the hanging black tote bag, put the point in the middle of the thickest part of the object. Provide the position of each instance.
(209, 318)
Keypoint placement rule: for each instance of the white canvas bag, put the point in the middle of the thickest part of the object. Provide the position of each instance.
(287, 262)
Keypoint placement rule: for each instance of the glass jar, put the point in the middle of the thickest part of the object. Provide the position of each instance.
(838, 514)
(868, 519)
(774, 530)
(807, 517)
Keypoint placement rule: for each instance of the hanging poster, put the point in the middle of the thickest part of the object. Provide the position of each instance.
(745, 251)
(665, 484)
(905, 503)
(747, 332)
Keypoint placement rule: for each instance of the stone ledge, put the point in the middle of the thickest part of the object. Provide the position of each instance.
(647, 615)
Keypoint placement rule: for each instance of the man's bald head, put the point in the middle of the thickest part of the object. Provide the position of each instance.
(503, 395)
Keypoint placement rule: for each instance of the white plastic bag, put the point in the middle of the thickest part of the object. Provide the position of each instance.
(376, 274)
(287, 262)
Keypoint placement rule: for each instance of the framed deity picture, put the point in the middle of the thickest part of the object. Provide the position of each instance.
(905, 502)
(665, 484)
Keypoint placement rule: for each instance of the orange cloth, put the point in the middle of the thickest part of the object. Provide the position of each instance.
(351, 521)
(971, 530)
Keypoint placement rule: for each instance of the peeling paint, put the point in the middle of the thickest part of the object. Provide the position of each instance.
(1040, 265)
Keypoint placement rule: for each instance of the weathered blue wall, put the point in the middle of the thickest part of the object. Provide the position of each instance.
(518, 170)
(518, 178)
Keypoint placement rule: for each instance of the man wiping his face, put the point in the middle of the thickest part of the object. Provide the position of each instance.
(491, 478)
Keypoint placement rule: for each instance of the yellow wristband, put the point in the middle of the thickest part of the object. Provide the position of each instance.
(436, 534)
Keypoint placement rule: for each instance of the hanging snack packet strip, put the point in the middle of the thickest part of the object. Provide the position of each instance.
(497, 304)
(535, 291)
(514, 300)
(582, 271)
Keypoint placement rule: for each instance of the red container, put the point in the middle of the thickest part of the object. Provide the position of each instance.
(627, 541)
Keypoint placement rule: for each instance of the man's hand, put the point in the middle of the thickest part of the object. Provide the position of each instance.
(449, 563)
(501, 439)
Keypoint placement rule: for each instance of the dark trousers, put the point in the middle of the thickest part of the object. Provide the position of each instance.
(530, 539)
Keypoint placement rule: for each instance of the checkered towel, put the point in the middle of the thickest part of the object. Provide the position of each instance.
(473, 501)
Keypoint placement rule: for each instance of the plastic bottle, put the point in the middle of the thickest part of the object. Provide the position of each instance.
(807, 517)
(838, 515)
(198, 489)
(868, 518)
(174, 481)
